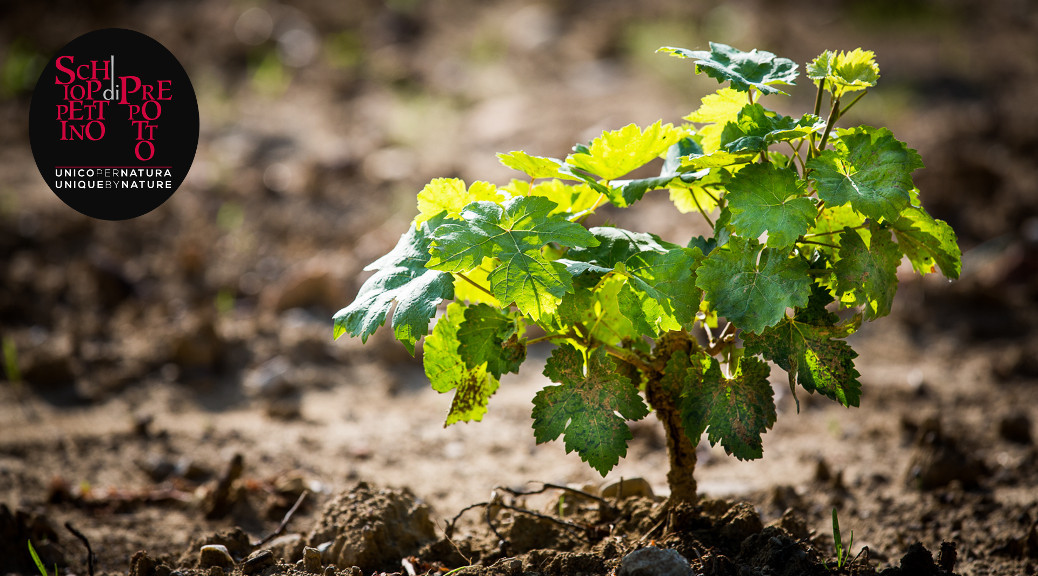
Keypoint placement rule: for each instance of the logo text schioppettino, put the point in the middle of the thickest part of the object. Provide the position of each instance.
(90, 89)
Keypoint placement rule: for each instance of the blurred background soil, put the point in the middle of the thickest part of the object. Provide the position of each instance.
(141, 356)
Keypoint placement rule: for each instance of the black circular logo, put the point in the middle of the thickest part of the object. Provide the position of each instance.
(113, 124)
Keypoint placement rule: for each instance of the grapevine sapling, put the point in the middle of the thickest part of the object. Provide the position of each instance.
(810, 223)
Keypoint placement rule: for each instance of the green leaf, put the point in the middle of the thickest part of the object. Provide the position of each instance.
(718, 159)
(616, 153)
(753, 293)
(928, 242)
(868, 274)
(678, 150)
(845, 72)
(533, 166)
(809, 348)
(758, 69)
(870, 169)
(400, 276)
(767, 198)
(734, 411)
(514, 234)
(617, 245)
(589, 409)
(598, 311)
(448, 370)
(756, 128)
(489, 337)
(667, 285)
(450, 195)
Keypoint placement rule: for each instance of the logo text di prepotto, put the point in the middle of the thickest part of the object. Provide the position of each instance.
(90, 90)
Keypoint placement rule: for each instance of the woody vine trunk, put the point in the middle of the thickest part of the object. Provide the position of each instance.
(681, 451)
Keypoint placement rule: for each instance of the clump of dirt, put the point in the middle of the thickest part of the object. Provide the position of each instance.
(371, 528)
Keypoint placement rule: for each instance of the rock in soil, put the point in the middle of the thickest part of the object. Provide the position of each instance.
(257, 561)
(235, 541)
(627, 488)
(653, 561)
(372, 528)
(214, 555)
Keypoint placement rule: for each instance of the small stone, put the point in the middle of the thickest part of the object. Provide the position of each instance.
(653, 561)
(215, 571)
(354, 571)
(215, 555)
(312, 560)
(627, 488)
(329, 570)
(257, 561)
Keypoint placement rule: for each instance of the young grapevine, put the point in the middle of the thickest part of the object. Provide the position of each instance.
(810, 223)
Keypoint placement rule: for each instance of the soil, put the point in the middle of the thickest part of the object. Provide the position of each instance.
(177, 386)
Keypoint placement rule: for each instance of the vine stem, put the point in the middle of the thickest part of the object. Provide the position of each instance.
(701, 211)
(599, 202)
(831, 232)
(834, 115)
(572, 335)
(812, 152)
(819, 244)
(722, 340)
(627, 357)
(474, 283)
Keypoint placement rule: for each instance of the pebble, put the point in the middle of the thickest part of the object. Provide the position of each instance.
(257, 561)
(215, 555)
(312, 560)
(653, 561)
(627, 488)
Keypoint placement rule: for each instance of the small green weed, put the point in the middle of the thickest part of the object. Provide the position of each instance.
(39, 563)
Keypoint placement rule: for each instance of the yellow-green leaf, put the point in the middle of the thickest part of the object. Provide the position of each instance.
(618, 152)
(450, 195)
